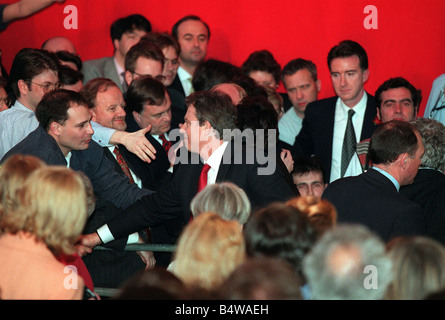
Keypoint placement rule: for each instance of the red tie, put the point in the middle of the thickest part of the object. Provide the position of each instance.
(203, 177)
(165, 143)
(202, 181)
(123, 164)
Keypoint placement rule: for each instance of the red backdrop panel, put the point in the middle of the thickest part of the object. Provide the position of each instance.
(409, 40)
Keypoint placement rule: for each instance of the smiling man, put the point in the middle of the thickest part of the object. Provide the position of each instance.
(325, 122)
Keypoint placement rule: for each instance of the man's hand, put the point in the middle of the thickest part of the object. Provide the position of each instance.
(136, 142)
(287, 159)
(86, 243)
(148, 258)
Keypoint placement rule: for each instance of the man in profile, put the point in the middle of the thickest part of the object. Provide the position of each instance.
(372, 198)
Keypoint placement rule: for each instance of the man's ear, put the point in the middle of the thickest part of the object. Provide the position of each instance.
(93, 115)
(23, 87)
(128, 77)
(54, 128)
(318, 85)
(365, 75)
(404, 160)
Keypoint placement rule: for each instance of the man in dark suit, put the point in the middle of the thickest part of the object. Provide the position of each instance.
(125, 32)
(326, 120)
(372, 198)
(428, 188)
(193, 36)
(226, 159)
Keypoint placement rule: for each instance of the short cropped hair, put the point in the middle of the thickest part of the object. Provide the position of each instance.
(93, 87)
(298, 64)
(349, 48)
(216, 108)
(128, 24)
(187, 18)
(163, 40)
(54, 106)
(226, 199)
(69, 76)
(144, 49)
(392, 139)
(399, 82)
(144, 90)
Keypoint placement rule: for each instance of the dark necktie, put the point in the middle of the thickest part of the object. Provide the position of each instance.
(123, 164)
(349, 144)
(165, 143)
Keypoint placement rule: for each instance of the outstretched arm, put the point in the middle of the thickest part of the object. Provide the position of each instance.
(24, 8)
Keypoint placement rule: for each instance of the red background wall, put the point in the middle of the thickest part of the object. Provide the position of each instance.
(409, 41)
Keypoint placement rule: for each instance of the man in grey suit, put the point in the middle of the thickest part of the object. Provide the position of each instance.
(125, 32)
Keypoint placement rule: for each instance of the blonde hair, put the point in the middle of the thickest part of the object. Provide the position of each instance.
(208, 250)
(52, 206)
(226, 199)
(418, 267)
(320, 212)
(13, 173)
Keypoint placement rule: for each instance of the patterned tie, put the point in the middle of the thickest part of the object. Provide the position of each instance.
(349, 144)
(123, 164)
(165, 143)
(191, 85)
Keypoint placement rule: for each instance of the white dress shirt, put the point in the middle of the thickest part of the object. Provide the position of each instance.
(340, 122)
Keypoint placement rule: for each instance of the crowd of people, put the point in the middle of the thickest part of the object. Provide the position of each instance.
(264, 195)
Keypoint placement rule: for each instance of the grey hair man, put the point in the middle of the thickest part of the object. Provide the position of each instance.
(348, 263)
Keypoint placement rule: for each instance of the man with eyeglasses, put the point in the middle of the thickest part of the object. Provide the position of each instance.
(33, 73)
(5, 101)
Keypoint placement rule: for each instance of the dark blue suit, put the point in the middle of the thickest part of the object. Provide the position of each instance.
(372, 199)
(317, 132)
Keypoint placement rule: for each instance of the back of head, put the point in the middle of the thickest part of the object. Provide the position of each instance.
(52, 206)
(29, 63)
(212, 72)
(262, 278)
(392, 139)
(343, 265)
(208, 250)
(346, 49)
(216, 108)
(13, 173)
(279, 231)
(153, 284)
(250, 86)
(262, 60)
(419, 268)
(68, 57)
(69, 76)
(225, 199)
(54, 106)
(144, 90)
(320, 213)
(433, 137)
(128, 24)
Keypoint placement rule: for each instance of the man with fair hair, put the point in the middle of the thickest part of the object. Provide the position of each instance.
(338, 266)
(372, 198)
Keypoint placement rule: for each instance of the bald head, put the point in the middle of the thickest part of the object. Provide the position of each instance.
(59, 44)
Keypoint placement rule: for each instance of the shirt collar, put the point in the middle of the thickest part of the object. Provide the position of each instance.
(390, 177)
(215, 158)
